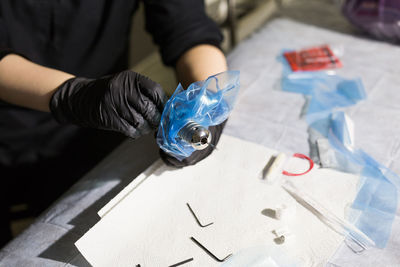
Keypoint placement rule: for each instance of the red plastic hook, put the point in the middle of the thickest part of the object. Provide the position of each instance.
(300, 156)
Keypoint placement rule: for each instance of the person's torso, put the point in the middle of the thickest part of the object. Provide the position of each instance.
(86, 38)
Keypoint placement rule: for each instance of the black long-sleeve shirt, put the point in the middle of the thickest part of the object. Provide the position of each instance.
(86, 38)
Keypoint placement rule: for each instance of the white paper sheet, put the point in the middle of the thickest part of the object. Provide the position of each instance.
(151, 225)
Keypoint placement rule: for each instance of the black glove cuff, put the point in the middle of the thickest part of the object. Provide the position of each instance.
(60, 104)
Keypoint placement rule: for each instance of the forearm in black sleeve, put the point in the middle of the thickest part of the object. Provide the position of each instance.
(178, 25)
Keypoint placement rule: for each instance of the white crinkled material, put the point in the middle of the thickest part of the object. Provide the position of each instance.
(272, 117)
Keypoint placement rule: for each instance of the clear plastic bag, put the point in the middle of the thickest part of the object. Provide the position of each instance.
(375, 206)
(206, 103)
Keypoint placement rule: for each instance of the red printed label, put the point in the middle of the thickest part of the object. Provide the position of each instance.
(313, 59)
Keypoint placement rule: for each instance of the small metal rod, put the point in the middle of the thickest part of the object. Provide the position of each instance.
(182, 262)
(209, 252)
(197, 219)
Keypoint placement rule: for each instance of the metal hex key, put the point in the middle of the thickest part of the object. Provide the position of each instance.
(209, 252)
(181, 263)
(197, 219)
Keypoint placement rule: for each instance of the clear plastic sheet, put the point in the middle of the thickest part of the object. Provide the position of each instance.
(260, 256)
(375, 206)
(206, 102)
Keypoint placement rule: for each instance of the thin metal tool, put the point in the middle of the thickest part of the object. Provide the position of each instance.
(340, 226)
(197, 219)
(209, 252)
(181, 263)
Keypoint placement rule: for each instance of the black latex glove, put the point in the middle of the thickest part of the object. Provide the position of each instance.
(126, 102)
(197, 155)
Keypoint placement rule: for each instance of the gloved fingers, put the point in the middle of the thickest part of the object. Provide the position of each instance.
(136, 95)
(128, 130)
(152, 91)
(147, 109)
(130, 104)
(112, 102)
(134, 119)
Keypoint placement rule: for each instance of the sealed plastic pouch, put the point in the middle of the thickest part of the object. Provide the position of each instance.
(204, 103)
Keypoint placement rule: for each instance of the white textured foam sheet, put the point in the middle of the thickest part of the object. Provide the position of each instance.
(152, 225)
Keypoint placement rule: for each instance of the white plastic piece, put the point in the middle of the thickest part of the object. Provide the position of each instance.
(283, 235)
(288, 237)
(282, 231)
(285, 213)
(350, 128)
(280, 211)
(275, 169)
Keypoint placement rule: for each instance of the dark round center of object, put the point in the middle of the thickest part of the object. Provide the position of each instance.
(203, 140)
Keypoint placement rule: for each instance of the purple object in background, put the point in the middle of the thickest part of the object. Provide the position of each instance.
(380, 18)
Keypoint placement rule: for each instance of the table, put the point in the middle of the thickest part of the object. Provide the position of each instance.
(264, 115)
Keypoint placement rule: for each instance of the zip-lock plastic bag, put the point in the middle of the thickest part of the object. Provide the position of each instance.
(205, 103)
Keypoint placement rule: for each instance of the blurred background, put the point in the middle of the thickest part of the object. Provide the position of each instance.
(238, 19)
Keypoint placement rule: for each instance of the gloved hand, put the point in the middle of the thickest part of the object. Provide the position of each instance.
(197, 155)
(126, 102)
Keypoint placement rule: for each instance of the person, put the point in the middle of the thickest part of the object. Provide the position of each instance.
(64, 80)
